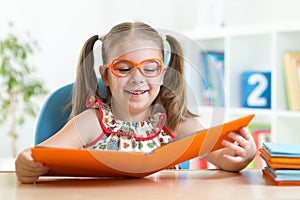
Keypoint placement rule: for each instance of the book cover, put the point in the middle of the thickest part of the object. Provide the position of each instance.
(213, 78)
(208, 98)
(291, 59)
(279, 182)
(284, 174)
(279, 162)
(282, 150)
(198, 163)
(296, 64)
(256, 89)
(97, 163)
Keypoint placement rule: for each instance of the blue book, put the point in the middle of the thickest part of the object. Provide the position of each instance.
(284, 174)
(213, 76)
(282, 150)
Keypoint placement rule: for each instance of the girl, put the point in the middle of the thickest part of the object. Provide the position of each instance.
(145, 104)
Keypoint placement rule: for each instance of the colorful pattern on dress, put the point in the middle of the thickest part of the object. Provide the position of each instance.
(127, 136)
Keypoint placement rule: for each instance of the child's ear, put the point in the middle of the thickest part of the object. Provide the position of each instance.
(104, 76)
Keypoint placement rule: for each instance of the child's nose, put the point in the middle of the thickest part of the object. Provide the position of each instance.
(137, 76)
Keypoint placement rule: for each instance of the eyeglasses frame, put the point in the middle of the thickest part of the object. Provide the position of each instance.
(135, 65)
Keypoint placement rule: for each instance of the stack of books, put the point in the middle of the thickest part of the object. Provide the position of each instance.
(282, 162)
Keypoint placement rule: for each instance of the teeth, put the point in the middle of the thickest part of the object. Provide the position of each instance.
(137, 92)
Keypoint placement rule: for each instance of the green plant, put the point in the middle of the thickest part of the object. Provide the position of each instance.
(18, 88)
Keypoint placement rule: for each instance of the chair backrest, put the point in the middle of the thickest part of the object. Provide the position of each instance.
(53, 114)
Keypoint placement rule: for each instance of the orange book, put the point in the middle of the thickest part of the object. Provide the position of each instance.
(280, 162)
(97, 163)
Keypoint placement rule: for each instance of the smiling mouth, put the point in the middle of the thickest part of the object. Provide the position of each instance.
(137, 92)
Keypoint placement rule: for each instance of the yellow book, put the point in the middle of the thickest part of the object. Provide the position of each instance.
(291, 59)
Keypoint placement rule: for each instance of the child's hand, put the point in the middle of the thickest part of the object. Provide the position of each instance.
(243, 148)
(27, 170)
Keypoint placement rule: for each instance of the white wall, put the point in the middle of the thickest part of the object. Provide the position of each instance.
(61, 28)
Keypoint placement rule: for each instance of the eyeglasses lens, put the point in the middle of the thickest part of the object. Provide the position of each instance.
(150, 68)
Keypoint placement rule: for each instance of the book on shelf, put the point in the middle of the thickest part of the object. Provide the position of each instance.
(256, 89)
(261, 133)
(296, 63)
(292, 79)
(98, 163)
(212, 78)
(197, 163)
(282, 162)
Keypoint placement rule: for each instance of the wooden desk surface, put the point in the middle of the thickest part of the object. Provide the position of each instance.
(201, 184)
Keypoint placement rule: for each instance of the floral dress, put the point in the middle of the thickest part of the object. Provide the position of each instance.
(119, 135)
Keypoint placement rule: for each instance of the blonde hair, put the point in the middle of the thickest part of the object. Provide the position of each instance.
(172, 95)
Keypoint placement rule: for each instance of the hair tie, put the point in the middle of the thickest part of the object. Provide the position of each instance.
(100, 38)
(163, 37)
(166, 49)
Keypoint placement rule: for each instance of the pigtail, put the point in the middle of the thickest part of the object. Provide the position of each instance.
(175, 71)
(86, 80)
(173, 95)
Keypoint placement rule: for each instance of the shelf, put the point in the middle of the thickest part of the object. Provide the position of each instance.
(223, 32)
(289, 114)
(253, 48)
(247, 111)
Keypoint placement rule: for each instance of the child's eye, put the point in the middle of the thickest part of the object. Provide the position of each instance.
(151, 67)
(122, 67)
(150, 70)
(124, 70)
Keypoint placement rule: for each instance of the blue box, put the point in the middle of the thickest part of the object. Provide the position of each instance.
(256, 89)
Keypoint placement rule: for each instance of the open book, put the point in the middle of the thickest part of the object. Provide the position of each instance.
(97, 163)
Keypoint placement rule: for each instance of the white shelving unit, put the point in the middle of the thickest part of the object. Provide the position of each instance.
(252, 48)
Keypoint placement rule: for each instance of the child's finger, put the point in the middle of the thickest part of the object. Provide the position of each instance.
(235, 159)
(233, 146)
(245, 133)
(238, 138)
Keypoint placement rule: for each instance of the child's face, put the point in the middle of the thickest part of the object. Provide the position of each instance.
(135, 90)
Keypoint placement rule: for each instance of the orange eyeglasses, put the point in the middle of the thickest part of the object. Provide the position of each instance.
(122, 67)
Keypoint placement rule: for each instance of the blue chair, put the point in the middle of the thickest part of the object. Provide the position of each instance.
(53, 115)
